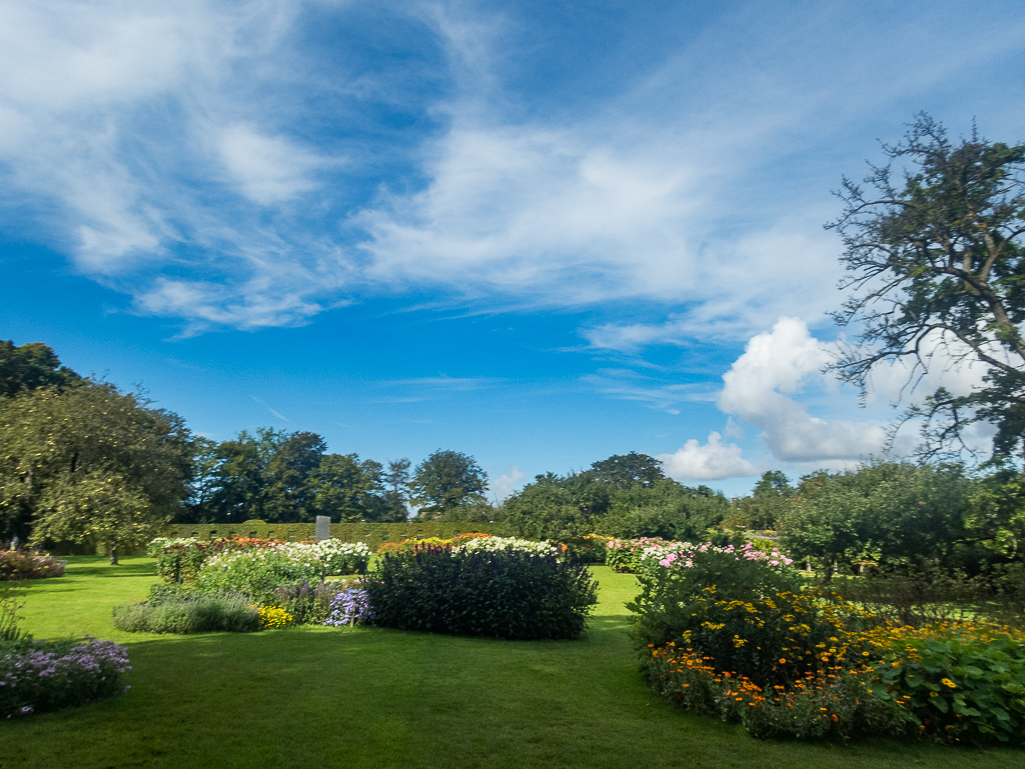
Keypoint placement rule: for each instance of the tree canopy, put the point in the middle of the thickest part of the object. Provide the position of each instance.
(447, 480)
(935, 263)
(90, 464)
(31, 366)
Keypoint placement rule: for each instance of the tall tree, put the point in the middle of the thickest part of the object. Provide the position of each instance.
(90, 464)
(30, 366)
(935, 261)
(446, 480)
(346, 489)
(288, 476)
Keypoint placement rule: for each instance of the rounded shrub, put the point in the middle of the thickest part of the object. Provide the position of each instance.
(503, 593)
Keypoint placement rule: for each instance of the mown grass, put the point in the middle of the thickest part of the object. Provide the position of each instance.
(376, 698)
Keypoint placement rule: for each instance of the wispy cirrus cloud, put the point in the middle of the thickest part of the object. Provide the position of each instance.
(216, 165)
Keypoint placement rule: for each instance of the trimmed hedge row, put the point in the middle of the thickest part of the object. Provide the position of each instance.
(374, 534)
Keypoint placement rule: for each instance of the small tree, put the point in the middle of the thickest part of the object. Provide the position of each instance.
(90, 464)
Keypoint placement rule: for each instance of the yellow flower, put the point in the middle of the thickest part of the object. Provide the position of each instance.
(948, 682)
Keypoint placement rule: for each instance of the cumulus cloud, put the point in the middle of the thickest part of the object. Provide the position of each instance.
(504, 486)
(712, 461)
(758, 386)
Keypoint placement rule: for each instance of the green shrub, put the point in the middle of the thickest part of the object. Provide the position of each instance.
(589, 548)
(175, 611)
(23, 564)
(965, 682)
(503, 594)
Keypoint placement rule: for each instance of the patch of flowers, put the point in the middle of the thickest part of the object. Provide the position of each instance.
(624, 555)
(40, 676)
(24, 564)
(508, 545)
(350, 606)
(259, 571)
(731, 632)
(274, 617)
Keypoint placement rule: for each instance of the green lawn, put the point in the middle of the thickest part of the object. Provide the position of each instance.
(368, 698)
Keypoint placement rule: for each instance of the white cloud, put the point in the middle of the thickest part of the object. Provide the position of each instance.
(268, 169)
(712, 461)
(504, 485)
(757, 387)
(158, 140)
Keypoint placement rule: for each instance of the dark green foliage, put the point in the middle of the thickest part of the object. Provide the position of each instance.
(90, 464)
(174, 611)
(31, 366)
(938, 258)
(966, 687)
(628, 470)
(894, 514)
(511, 595)
(623, 496)
(446, 480)
(285, 478)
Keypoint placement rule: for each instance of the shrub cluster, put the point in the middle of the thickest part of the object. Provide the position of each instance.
(24, 564)
(40, 676)
(504, 593)
(170, 610)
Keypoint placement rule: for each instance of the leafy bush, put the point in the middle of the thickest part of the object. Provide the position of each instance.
(9, 617)
(589, 548)
(40, 676)
(176, 611)
(503, 593)
(964, 682)
(23, 564)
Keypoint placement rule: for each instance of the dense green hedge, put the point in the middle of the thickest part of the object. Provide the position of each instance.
(374, 534)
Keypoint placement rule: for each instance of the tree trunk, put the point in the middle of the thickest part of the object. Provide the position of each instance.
(113, 555)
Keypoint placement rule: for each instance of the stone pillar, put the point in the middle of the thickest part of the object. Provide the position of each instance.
(323, 528)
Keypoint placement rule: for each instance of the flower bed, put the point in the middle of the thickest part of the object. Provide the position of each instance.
(731, 632)
(40, 676)
(23, 564)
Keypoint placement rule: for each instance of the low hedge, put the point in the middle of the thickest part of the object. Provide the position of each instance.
(373, 534)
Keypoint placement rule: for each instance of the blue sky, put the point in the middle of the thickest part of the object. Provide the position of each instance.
(538, 233)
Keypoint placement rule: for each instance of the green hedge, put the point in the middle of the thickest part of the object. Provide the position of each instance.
(374, 534)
